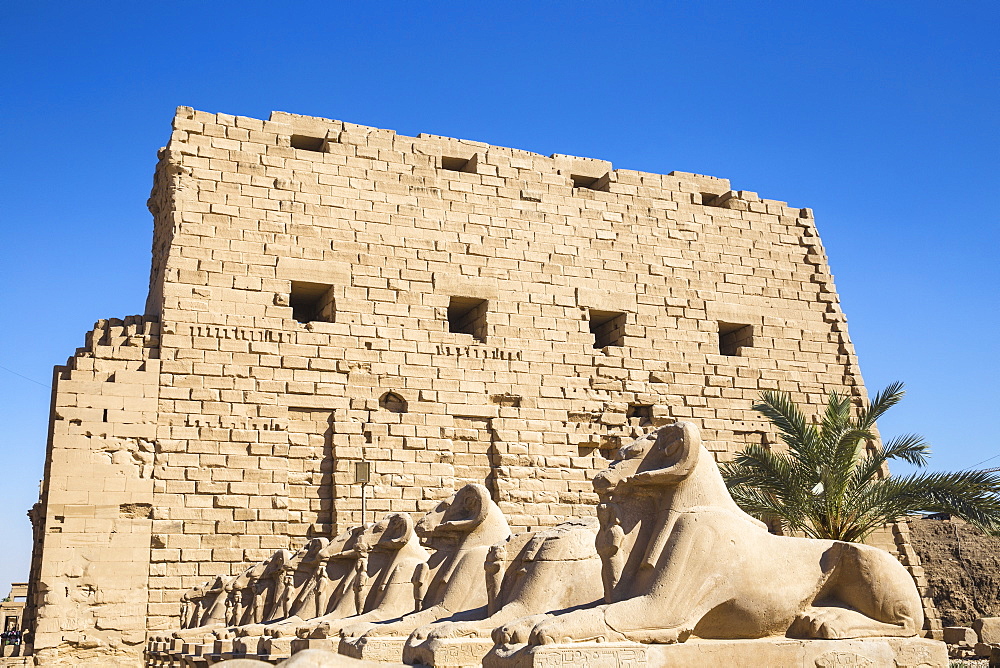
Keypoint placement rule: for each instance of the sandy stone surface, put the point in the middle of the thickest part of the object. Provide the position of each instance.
(962, 567)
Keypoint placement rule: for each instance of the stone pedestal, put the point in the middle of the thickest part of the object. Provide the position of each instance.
(449, 652)
(301, 644)
(770, 652)
(222, 650)
(194, 653)
(374, 648)
(247, 646)
(275, 650)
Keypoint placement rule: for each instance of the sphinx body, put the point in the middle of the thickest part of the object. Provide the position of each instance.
(460, 532)
(219, 608)
(529, 574)
(365, 576)
(206, 608)
(552, 569)
(680, 558)
(298, 578)
(388, 554)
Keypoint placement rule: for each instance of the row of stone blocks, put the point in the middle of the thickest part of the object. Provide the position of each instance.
(670, 573)
(746, 653)
(980, 641)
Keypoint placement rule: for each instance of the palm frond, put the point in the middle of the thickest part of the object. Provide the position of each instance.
(758, 465)
(911, 448)
(868, 468)
(829, 483)
(973, 498)
(972, 495)
(883, 401)
(837, 416)
(794, 428)
(843, 456)
(763, 505)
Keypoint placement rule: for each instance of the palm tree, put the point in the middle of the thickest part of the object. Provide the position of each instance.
(831, 483)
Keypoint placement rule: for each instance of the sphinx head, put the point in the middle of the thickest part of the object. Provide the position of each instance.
(677, 448)
(313, 549)
(469, 511)
(392, 532)
(197, 592)
(671, 452)
(367, 537)
(275, 564)
(343, 545)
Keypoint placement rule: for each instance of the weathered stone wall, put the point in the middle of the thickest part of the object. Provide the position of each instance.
(962, 566)
(91, 593)
(393, 235)
(329, 293)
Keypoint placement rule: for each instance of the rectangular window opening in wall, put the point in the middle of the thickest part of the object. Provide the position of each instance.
(467, 315)
(608, 328)
(458, 164)
(710, 199)
(312, 302)
(305, 143)
(592, 183)
(733, 337)
(640, 415)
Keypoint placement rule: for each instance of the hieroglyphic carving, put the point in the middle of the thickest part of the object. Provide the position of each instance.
(376, 649)
(843, 660)
(460, 652)
(241, 333)
(233, 422)
(592, 657)
(478, 352)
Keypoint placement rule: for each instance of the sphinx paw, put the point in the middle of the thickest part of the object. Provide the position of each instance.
(456, 630)
(355, 630)
(549, 632)
(518, 631)
(321, 630)
(581, 625)
(825, 623)
(501, 635)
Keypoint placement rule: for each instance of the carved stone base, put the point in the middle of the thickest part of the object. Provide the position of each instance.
(770, 652)
(449, 652)
(374, 648)
(300, 644)
(274, 650)
(247, 646)
(223, 649)
(193, 652)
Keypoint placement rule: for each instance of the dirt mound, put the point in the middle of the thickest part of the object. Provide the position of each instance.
(962, 565)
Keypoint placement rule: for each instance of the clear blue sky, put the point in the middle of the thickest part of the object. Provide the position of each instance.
(881, 116)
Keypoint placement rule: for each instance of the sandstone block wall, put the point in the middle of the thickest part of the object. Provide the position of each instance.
(89, 587)
(327, 293)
